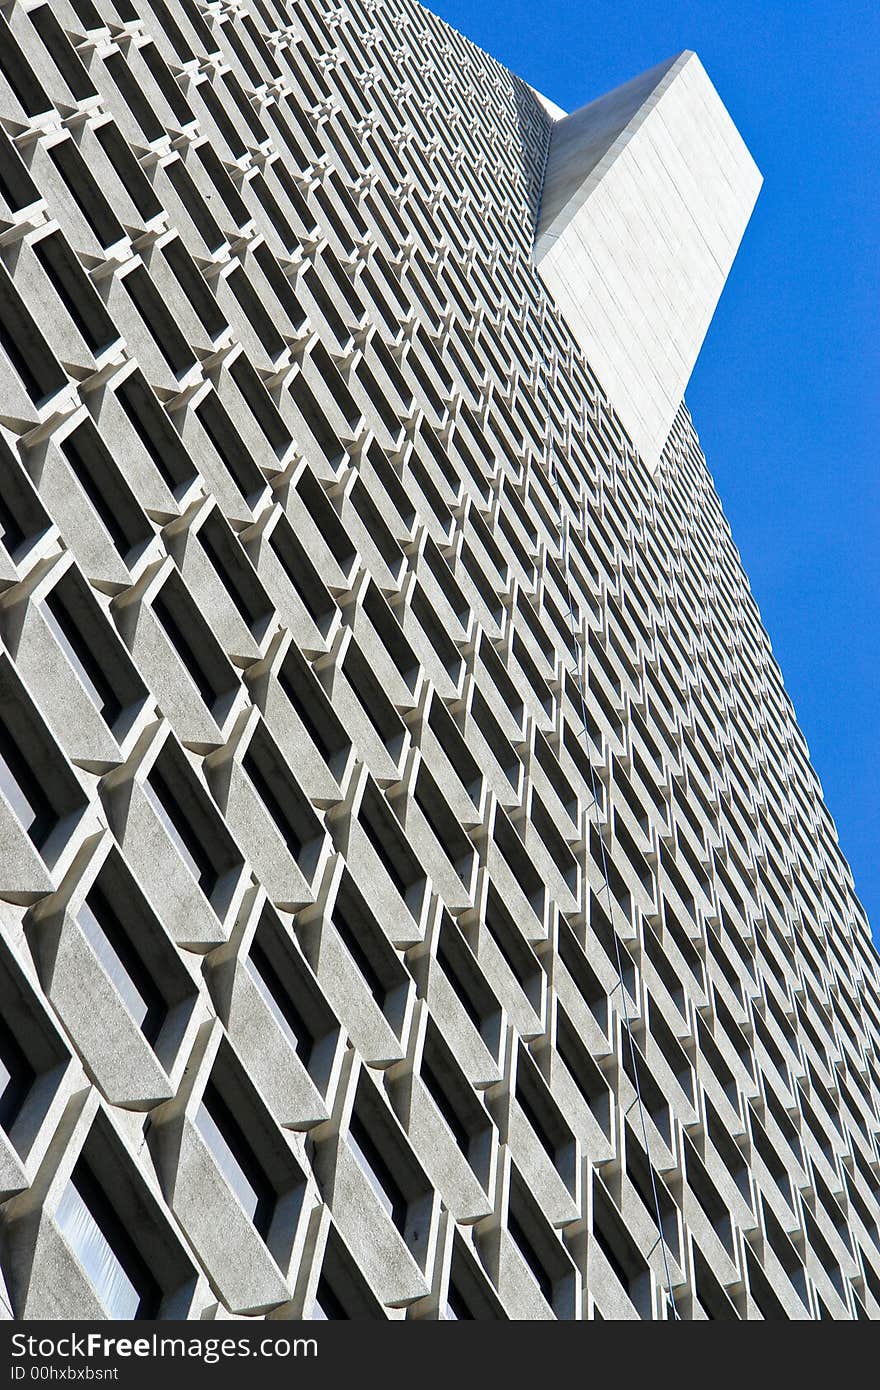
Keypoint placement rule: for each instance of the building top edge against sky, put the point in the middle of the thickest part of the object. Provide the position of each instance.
(646, 194)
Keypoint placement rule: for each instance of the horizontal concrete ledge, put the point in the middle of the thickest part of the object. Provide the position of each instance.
(646, 194)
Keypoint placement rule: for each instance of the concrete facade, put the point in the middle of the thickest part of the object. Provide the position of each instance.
(416, 897)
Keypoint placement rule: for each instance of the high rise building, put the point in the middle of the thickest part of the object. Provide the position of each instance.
(416, 897)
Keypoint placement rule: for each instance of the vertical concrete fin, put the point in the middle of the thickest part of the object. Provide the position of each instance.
(646, 195)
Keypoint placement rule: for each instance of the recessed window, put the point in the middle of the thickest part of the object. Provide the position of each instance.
(186, 842)
(382, 829)
(372, 695)
(465, 1118)
(540, 1248)
(469, 1295)
(584, 1071)
(515, 950)
(93, 648)
(469, 984)
(11, 532)
(194, 643)
(377, 1172)
(69, 639)
(40, 373)
(279, 1002)
(17, 188)
(530, 1255)
(89, 198)
(305, 579)
(230, 448)
(445, 826)
(312, 707)
(193, 825)
(292, 996)
(543, 1115)
(236, 1159)
(155, 431)
(287, 806)
(122, 962)
(20, 784)
(613, 1238)
(234, 571)
(456, 1309)
(371, 952)
(120, 1277)
(76, 292)
(391, 1168)
(343, 1292)
(106, 489)
(326, 1307)
(16, 1077)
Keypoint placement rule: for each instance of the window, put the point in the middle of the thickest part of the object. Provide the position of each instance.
(469, 1295)
(391, 1168)
(95, 208)
(235, 1158)
(652, 1191)
(259, 1169)
(76, 292)
(382, 829)
(371, 952)
(82, 632)
(106, 489)
(307, 583)
(20, 76)
(293, 998)
(469, 984)
(236, 573)
(342, 1290)
(119, 1275)
(371, 692)
(584, 1072)
(29, 353)
(33, 1057)
(515, 950)
(315, 421)
(17, 187)
(156, 433)
(257, 314)
(20, 785)
(67, 636)
(43, 791)
(378, 1173)
(622, 1254)
(280, 1003)
(326, 1307)
(192, 824)
(541, 1250)
(194, 643)
(16, 1077)
(21, 515)
(450, 1090)
(185, 841)
(290, 810)
(313, 709)
(543, 1115)
(126, 166)
(118, 955)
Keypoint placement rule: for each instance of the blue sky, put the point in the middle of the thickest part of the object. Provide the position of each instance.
(785, 393)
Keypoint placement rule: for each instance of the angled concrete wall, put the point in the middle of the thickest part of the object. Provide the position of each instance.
(647, 192)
